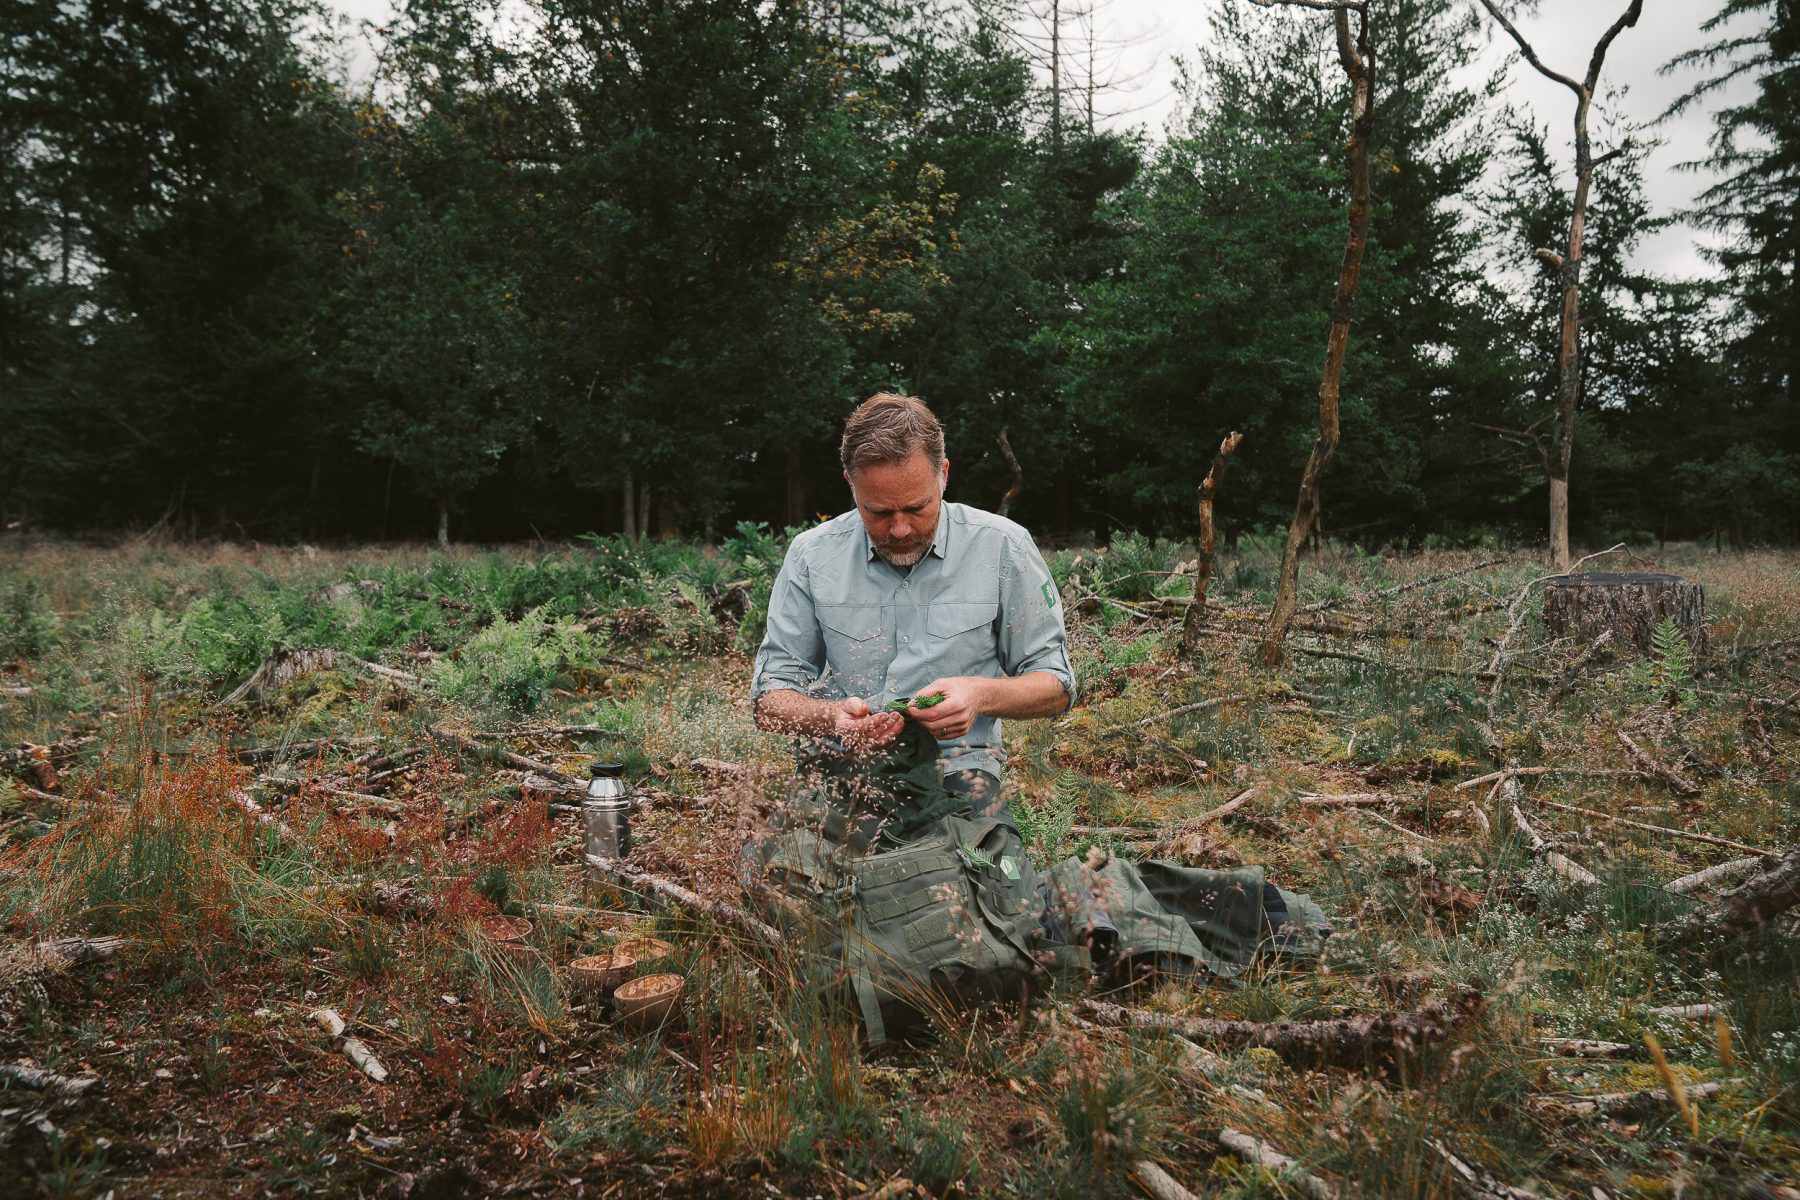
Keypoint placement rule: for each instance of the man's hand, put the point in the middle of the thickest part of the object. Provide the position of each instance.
(860, 729)
(966, 700)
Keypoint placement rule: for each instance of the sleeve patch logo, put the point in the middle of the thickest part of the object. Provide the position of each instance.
(1049, 595)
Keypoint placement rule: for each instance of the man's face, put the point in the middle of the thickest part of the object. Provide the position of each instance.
(899, 503)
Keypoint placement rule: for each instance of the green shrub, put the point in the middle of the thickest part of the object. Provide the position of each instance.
(513, 665)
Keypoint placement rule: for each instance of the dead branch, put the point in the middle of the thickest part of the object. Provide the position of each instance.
(1686, 834)
(355, 1049)
(1587, 1048)
(1263, 1155)
(730, 914)
(533, 765)
(1196, 613)
(1184, 709)
(1532, 772)
(1686, 1012)
(1347, 799)
(1618, 1104)
(41, 1080)
(1575, 669)
(1701, 880)
(1515, 620)
(1744, 907)
(1387, 593)
(1345, 1041)
(16, 693)
(1474, 1182)
(1679, 785)
(1158, 1182)
(1566, 867)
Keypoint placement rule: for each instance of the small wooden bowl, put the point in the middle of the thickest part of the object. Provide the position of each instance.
(645, 948)
(600, 973)
(509, 934)
(503, 928)
(649, 1000)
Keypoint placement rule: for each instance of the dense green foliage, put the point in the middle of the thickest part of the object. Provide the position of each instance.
(624, 265)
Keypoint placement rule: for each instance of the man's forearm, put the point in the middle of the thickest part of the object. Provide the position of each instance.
(1033, 694)
(788, 712)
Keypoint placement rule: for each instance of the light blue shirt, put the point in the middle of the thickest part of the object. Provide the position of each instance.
(844, 622)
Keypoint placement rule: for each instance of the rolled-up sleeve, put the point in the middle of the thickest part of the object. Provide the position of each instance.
(1032, 636)
(792, 655)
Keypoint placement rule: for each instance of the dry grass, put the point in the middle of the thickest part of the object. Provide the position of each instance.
(504, 1077)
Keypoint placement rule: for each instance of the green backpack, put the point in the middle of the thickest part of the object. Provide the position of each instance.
(903, 899)
(947, 921)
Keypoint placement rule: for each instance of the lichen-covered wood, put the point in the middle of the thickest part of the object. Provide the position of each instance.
(1630, 605)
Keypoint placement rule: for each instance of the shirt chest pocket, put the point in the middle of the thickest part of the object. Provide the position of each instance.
(859, 645)
(962, 636)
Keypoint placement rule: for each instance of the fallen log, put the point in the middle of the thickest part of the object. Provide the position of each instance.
(38, 1079)
(354, 1049)
(1686, 1012)
(1587, 1048)
(1618, 1104)
(1263, 1155)
(1742, 908)
(1725, 871)
(730, 914)
(1344, 1041)
(1346, 799)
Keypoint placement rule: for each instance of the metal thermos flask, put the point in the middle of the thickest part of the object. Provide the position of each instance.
(606, 812)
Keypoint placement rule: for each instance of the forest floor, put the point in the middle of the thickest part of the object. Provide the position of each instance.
(192, 869)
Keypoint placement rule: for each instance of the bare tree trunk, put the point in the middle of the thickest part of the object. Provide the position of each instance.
(1190, 624)
(1018, 475)
(1358, 60)
(1568, 267)
(443, 523)
(628, 507)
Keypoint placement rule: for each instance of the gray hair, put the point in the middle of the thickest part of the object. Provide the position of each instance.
(888, 428)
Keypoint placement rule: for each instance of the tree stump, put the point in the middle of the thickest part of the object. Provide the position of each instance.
(1630, 604)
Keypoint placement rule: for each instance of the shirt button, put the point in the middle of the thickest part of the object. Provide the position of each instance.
(906, 583)
(904, 638)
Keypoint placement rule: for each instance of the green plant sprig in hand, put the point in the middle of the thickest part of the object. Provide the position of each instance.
(902, 703)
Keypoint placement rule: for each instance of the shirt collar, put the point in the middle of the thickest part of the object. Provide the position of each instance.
(940, 543)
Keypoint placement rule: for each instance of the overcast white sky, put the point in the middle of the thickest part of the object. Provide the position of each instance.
(1563, 32)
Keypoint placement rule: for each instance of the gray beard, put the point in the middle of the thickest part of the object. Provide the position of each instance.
(910, 559)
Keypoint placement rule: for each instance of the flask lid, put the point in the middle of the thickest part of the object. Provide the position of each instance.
(606, 770)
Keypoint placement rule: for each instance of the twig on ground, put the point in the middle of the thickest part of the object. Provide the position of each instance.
(1686, 1012)
(719, 910)
(355, 1049)
(1263, 1155)
(1587, 1048)
(1184, 709)
(1679, 785)
(473, 746)
(1689, 835)
(1532, 772)
(1562, 865)
(1399, 588)
(1575, 668)
(1475, 1183)
(1346, 799)
(1515, 621)
(1343, 1041)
